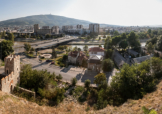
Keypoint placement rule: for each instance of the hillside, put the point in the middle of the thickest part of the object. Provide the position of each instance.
(10, 104)
(49, 20)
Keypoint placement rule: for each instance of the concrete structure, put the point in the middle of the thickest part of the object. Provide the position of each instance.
(76, 57)
(94, 28)
(46, 30)
(95, 62)
(96, 51)
(79, 26)
(11, 75)
(65, 28)
(55, 30)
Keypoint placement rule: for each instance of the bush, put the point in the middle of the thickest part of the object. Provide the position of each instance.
(59, 77)
(87, 83)
(108, 65)
(74, 81)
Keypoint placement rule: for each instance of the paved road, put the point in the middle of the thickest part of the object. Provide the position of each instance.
(67, 74)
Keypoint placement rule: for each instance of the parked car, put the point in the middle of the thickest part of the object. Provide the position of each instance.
(52, 62)
(48, 60)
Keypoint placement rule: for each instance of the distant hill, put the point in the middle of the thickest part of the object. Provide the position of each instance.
(46, 20)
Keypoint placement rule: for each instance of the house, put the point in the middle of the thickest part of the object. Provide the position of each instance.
(132, 52)
(95, 62)
(72, 57)
(96, 51)
(119, 60)
(82, 56)
(139, 60)
(77, 57)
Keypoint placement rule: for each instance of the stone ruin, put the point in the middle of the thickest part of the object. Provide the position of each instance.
(11, 76)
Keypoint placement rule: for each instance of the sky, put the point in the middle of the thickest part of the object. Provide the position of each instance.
(116, 12)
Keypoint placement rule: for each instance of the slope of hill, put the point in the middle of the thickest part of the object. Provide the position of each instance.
(42, 20)
(10, 104)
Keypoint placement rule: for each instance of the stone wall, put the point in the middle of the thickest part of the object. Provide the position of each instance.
(12, 73)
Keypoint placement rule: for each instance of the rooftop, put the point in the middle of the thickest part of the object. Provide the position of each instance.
(96, 49)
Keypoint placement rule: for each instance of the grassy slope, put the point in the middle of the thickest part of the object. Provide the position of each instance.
(10, 104)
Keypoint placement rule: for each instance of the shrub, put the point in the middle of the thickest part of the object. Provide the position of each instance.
(87, 84)
(74, 81)
(59, 77)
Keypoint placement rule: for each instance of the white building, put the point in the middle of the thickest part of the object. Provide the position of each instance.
(96, 51)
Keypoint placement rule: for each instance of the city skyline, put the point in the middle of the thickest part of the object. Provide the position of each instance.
(116, 12)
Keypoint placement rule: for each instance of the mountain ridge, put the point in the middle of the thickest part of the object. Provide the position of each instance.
(47, 20)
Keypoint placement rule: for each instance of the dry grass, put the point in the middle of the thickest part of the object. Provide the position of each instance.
(10, 104)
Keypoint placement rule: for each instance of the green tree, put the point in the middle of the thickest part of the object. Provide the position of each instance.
(59, 77)
(87, 84)
(108, 53)
(11, 37)
(159, 44)
(6, 48)
(74, 81)
(100, 46)
(85, 48)
(107, 65)
(65, 57)
(116, 33)
(54, 54)
(149, 31)
(133, 40)
(150, 48)
(79, 49)
(27, 47)
(99, 78)
(3, 34)
(84, 63)
(123, 44)
(108, 43)
(75, 48)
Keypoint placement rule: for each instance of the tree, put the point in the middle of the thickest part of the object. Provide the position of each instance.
(150, 48)
(123, 44)
(149, 31)
(74, 81)
(65, 57)
(84, 63)
(108, 43)
(54, 54)
(32, 50)
(11, 37)
(87, 84)
(104, 36)
(107, 65)
(116, 33)
(75, 48)
(108, 53)
(48, 36)
(99, 38)
(79, 49)
(27, 47)
(59, 77)
(100, 46)
(133, 40)
(3, 34)
(159, 44)
(6, 48)
(100, 78)
(85, 48)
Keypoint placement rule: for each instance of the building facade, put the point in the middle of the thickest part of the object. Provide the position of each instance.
(96, 51)
(94, 28)
(46, 30)
(11, 76)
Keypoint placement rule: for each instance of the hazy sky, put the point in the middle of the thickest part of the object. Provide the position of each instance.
(118, 12)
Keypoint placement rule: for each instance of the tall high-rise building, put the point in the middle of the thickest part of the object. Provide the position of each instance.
(79, 26)
(94, 28)
(36, 28)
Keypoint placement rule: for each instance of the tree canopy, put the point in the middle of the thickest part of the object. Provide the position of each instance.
(6, 48)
